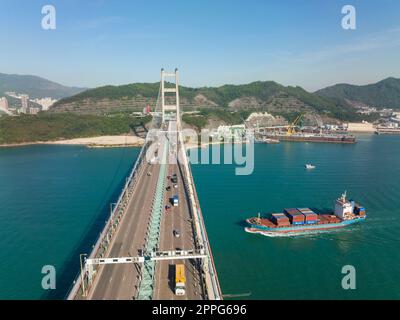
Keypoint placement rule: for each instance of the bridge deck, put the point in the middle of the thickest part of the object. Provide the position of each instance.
(177, 219)
(120, 281)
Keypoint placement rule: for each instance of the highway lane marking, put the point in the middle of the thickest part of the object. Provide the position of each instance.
(113, 241)
(165, 224)
(160, 266)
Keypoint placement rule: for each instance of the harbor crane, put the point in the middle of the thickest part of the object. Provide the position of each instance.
(291, 127)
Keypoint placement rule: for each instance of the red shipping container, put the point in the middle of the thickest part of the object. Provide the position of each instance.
(291, 211)
(310, 216)
(280, 218)
(297, 217)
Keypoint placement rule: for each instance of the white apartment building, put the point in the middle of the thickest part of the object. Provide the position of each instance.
(46, 103)
(3, 103)
(24, 103)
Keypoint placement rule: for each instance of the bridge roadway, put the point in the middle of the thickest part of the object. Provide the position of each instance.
(177, 219)
(120, 281)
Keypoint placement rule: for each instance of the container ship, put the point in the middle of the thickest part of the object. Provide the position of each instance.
(387, 130)
(311, 137)
(302, 134)
(299, 220)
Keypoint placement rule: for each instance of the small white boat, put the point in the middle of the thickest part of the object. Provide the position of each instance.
(310, 166)
(271, 141)
(268, 140)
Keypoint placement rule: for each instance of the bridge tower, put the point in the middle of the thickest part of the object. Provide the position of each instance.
(170, 111)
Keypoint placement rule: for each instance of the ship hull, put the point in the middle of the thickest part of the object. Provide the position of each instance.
(344, 139)
(299, 229)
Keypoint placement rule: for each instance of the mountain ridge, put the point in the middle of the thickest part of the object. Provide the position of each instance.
(35, 87)
(382, 94)
(259, 95)
(335, 101)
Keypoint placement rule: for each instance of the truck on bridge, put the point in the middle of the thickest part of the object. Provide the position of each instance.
(180, 279)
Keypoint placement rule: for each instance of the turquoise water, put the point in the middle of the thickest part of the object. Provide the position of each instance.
(308, 266)
(54, 201)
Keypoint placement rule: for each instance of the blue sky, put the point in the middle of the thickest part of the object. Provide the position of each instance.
(293, 42)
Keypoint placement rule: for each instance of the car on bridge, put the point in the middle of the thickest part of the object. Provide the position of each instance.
(176, 234)
(153, 160)
(175, 200)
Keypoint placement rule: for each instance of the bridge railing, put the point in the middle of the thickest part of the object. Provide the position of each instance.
(146, 283)
(213, 271)
(195, 204)
(103, 240)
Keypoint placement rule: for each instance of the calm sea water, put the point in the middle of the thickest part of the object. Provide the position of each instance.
(309, 266)
(54, 202)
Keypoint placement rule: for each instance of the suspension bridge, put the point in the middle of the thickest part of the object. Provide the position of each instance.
(146, 236)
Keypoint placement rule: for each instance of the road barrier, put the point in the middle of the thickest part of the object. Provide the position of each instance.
(211, 277)
(82, 282)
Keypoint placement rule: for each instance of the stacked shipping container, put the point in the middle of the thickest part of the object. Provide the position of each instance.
(359, 210)
(280, 220)
(310, 216)
(295, 216)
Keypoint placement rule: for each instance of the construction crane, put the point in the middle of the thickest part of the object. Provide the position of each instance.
(291, 127)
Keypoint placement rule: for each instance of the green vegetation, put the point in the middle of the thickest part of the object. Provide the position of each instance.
(263, 90)
(383, 94)
(196, 120)
(229, 117)
(200, 119)
(267, 96)
(149, 90)
(47, 127)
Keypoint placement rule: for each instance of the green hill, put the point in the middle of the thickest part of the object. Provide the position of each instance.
(47, 127)
(383, 94)
(261, 95)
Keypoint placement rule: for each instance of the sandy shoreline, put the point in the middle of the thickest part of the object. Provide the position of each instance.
(104, 142)
(93, 142)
